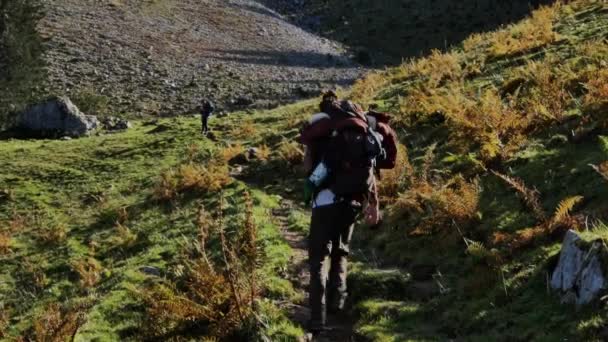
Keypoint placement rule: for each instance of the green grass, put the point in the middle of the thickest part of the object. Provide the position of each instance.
(481, 301)
(66, 197)
(89, 184)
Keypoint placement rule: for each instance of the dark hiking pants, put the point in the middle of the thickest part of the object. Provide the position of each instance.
(330, 233)
(204, 120)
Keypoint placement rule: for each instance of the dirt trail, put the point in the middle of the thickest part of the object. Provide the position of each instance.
(340, 329)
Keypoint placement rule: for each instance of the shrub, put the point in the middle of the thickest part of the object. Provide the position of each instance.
(54, 234)
(436, 69)
(546, 96)
(3, 321)
(476, 120)
(227, 153)
(166, 188)
(57, 323)
(124, 236)
(264, 153)
(291, 153)
(89, 271)
(246, 130)
(431, 207)
(6, 242)
(91, 103)
(531, 33)
(365, 89)
(21, 55)
(217, 297)
(596, 98)
(191, 177)
(394, 181)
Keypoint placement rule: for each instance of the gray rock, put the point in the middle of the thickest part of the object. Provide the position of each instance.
(56, 118)
(252, 153)
(150, 270)
(579, 275)
(115, 124)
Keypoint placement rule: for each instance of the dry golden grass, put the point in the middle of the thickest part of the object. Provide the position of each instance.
(291, 153)
(6, 241)
(245, 130)
(217, 294)
(89, 271)
(203, 179)
(192, 151)
(3, 322)
(365, 89)
(546, 97)
(191, 177)
(264, 153)
(228, 153)
(34, 272)
(57, 324)
(393, 181)
(531, 197)
(54, 234)
(437, 206)
(124, 236)
(481, 119)
(436, 69)
(597, 91)
(536, 31)
(166, 189)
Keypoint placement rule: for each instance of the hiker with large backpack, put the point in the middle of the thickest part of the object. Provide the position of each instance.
(345, 149)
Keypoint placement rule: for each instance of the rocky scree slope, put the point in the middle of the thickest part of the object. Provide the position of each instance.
(162, 57)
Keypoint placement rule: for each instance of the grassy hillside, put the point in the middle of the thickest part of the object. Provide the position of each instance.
(136, 235)
(506, 150)
(388, 31)
(104, 238)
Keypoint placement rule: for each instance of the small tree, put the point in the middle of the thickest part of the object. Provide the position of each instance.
(21, 49)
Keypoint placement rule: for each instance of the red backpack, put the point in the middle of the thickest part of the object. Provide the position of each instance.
(354, 145)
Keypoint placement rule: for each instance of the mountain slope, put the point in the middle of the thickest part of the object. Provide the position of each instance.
(498, 137)
(161, 57)
(387, 31)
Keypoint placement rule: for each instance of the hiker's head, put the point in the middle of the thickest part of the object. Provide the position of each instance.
(329, 97)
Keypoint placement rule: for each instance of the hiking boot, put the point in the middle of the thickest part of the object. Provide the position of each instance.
(336, 305)
(316, 328)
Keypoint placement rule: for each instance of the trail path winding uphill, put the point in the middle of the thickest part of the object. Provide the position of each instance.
(340, 329)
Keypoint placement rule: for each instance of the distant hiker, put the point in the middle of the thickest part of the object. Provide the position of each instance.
(206, 111)
(345, 148)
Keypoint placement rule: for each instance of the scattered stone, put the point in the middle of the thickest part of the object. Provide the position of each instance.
(579, 277)
(150, 270)
(55, 118)
(236, 171)
(242, 101)
(252, 153)
(112, 123)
